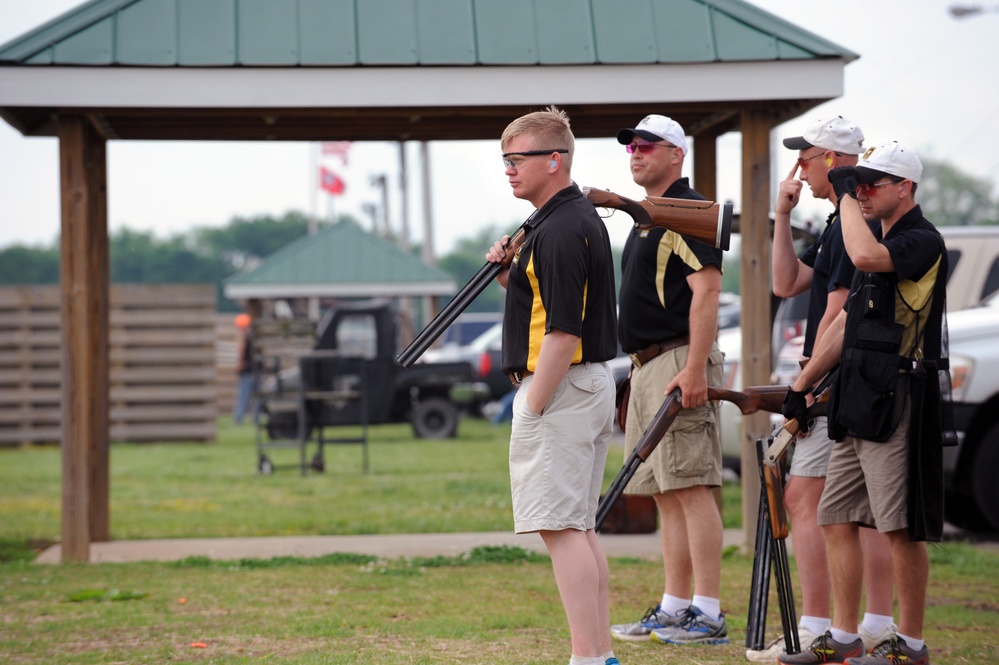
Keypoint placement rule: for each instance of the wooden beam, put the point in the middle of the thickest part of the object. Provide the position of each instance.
(754, 288)
(84, 268)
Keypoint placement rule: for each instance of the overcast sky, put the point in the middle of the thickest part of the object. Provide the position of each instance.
(924, 78)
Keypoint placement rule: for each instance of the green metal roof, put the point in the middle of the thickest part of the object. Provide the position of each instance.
(170, 33)
(343, 260)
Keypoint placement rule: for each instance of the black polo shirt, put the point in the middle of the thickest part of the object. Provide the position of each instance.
(562, 278)
(831, 269)
(655, 296)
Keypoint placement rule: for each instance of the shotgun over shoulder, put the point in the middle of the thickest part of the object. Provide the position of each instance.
(706, 221)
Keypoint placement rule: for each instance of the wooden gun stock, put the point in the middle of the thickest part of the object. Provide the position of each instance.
(752, 398)
(706, 221)
(476, 285)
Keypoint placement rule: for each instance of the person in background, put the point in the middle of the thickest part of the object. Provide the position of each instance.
(668, 322)
(563, 412)
(824, 270)
(246, 374)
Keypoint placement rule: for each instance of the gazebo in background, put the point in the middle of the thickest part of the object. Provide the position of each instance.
(397, 70)
(340, 262)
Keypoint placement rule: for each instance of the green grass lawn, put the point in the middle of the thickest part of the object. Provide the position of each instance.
(494, 605)
(195, 490)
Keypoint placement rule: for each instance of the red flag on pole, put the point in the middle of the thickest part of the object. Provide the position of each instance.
(336, 149)
(330, 182)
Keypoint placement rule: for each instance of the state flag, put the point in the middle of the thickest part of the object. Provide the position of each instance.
(330, 182)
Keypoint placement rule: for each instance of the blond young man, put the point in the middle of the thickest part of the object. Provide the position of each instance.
(563, 412)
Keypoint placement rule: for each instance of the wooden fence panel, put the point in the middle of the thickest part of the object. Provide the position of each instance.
(162, 363)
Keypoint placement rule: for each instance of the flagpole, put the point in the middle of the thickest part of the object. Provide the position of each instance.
(429, 302)
(404, 194)
(329, 207)
(314, 190)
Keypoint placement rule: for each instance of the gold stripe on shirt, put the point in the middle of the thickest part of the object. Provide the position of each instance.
(671, 243)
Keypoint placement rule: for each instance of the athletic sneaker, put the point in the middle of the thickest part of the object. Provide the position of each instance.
(612, 661)
(639, 631)
(776, 648)
(893, 651)
(872, 640)
(824, 649)
(696, 628)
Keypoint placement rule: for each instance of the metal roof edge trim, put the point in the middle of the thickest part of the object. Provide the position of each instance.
(59, 28)
(778, 27)
(371, 289)
(391, 87)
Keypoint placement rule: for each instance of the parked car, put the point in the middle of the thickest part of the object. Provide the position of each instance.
(467, 327)
(484, 354)
(973, 258)
(729, 417)
(728, 310)
(972, 493)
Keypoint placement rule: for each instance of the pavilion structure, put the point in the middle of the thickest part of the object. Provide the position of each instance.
(386, 70)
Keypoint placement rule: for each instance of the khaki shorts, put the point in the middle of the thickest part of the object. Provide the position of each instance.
(810, 458)
(867, 482)
(557, 459)
(690, 451)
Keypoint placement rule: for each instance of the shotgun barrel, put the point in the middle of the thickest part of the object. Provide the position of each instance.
(650, 439)
(476, 285)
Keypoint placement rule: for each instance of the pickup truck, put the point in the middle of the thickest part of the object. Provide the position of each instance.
(428, 395)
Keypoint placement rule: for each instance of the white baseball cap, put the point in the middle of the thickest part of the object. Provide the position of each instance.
(836, 133)
(656, 128)
(889, 159)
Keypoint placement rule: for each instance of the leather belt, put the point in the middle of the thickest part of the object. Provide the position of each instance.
(517, 377)
(639, 358)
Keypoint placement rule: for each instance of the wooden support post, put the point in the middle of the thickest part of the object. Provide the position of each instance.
(84, 268)
(754, 288)
(706, 183)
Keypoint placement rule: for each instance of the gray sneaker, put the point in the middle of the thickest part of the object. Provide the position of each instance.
(696, 628)
(639, 631)
(892, 652)
(823, 649)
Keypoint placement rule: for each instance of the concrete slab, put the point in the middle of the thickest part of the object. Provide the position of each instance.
(645, 546)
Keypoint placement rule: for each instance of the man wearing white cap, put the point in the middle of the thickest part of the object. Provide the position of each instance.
(886, 413)
(667, 322)
(825, 270)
